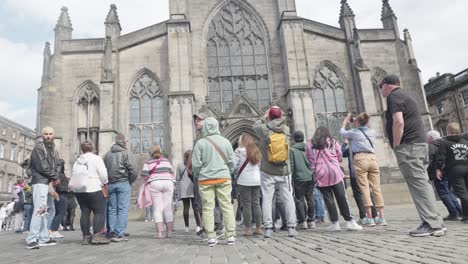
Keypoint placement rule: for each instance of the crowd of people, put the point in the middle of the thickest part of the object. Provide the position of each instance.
(278, 175)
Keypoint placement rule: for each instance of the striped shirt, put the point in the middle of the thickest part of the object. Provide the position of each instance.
(163, 170)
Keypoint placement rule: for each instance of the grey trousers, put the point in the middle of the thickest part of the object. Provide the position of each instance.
(413, 160)
(285, 192)
(250, 203)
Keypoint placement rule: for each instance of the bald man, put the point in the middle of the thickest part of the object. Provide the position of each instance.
(44, 159)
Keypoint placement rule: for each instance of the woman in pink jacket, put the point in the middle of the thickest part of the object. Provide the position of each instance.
(324, 155)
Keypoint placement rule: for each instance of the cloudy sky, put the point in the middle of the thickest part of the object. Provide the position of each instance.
(438, 29)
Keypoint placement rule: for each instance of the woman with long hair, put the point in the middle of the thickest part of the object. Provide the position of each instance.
(324, 155)
(161, 180)
(186, 190)
(247, 164)
(366, 168)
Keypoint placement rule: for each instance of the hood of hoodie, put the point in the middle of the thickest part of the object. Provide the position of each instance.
(300, 146)
(277, 125)
(210, 127)
(437, 142)
(117, 148)
(454, 138)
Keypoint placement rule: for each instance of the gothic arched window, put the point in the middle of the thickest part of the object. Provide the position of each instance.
(146, 115)
(88, 113)
(236, 56)
(330, 102)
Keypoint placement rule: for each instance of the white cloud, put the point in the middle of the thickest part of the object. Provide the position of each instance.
(24, 115)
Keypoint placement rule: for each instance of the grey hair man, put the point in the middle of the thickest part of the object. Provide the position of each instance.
(406, 134)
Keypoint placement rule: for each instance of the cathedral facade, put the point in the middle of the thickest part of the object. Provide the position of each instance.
(231, 59)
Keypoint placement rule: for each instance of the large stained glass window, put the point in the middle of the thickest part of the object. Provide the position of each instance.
(146, 115)
(236, 56)
(330, 102)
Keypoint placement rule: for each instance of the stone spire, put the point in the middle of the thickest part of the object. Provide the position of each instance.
(63, 29)
(106, 70)
(347, 22)
(346, 10)
(388, 18)
(409, 47)
(112, 24)
(46, 63)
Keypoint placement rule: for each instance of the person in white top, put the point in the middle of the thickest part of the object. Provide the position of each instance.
(88, 177)
(247, 164)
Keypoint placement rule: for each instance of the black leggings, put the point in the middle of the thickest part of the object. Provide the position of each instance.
(186, 202)
(91, 202)
(337, 192)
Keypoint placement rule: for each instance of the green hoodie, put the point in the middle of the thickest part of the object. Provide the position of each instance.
(263, 130)
(300, 166)
(207, 163)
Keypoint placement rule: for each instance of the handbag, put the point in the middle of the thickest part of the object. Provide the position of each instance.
(144, 194)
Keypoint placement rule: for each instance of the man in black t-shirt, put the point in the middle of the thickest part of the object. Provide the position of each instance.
(407, 138)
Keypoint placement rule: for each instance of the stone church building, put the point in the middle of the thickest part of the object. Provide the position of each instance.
(231, 59)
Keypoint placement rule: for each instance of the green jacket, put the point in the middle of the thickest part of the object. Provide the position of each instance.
(263, 132)
(300, 166)
(207, 163)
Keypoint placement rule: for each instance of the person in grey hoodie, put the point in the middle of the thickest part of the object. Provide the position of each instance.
(212, 165)
(274, 174)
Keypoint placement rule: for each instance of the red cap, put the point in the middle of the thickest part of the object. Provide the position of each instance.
(274, 113)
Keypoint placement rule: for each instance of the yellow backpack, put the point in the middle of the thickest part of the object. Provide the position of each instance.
(278, 148)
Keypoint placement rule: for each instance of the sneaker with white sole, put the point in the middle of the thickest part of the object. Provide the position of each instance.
(352, 225)
(51, 242)
(292, 232)
(302, 226)
(186, 229)
(231, 240)
(268, 233)
(212, 241)
(381, 222)
(197, 229)
(334, 226)
(55, 234)
(311, 225)
(32, 245)
(368, 222)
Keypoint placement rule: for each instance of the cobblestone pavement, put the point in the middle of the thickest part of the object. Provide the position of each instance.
(389, 244)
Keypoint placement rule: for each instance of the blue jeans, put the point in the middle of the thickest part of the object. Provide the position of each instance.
(447, 197)
(118, 205)
(60, 210)
(319, 209)
(28, 211)
(38, 231)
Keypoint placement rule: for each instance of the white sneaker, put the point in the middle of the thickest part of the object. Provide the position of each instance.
(311, 225)
(352, 225)
(55, 234)
(186, 229)
(302, 226)
(212, 242)
(231, 240)
(334, 226)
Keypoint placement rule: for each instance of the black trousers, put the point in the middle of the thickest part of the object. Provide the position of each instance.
(305, 200)
(358, 199)
(186, 202)
(91, 202)
(337, 192)
(458, 179)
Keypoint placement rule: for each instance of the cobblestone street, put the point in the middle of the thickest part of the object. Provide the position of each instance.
(389, 244)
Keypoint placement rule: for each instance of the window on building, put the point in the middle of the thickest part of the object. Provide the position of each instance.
(443, 131)
(146, 115)
(88, 113)
(12, 152)
(440, 108)
(465, 97)
(14, 135)
(10, 183)
(330, 102)
(20, 155)
(4, 131)
(2, 150)
(237, 55)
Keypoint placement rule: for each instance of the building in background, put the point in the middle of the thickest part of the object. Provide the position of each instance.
(231, 59)
(447, 98)
(16, 144)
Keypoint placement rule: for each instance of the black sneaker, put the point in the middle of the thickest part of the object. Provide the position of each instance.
(464, 220)
(51, 242)
(423, 230)
(32, 245)
(452, 218)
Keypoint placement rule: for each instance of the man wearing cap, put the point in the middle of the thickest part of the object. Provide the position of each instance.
(303, 183)
(407, 137)
(274, 174)
(44, 160)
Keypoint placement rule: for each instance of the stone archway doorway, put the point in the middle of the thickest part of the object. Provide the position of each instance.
(233, 132)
